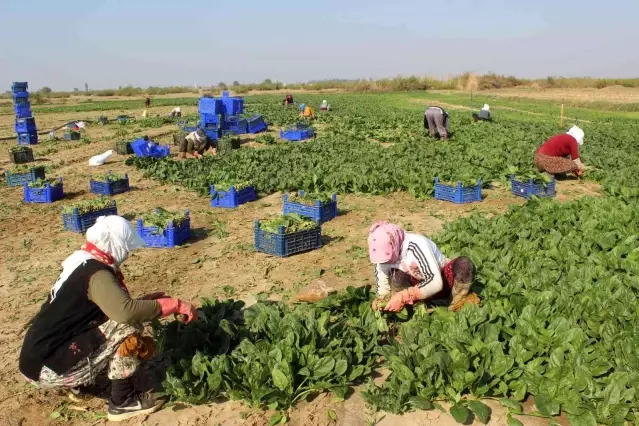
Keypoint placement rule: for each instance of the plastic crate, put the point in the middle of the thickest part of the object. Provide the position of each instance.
(28, 138)
(297, 134)
(123, 148)
(208, 119)
(20, 97)
(141, 148)
(320, 213)
(103, 120)
(233, 106)
(283, 245)
(22, 110)
(72, 136)
(210, 106)
(110, 188)
(530, 188)
(170, 237)
(231, 199)
(48, 194)
(25, 125)
(212, 134)
(256, 124)
(21, 157)
(18, 179)
(76, 222)
(458, 194)
(226, 145)
(19, 86)
(189, 129)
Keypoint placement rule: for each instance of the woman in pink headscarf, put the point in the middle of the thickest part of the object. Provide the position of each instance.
(415, 262)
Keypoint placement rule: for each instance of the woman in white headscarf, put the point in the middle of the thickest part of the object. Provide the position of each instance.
(90, 323)
(560, 153)
(484, 114)
(324, 106)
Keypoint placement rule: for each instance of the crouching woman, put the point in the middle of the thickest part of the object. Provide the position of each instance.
(91, 324)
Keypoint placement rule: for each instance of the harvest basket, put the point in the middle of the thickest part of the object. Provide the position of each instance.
(458, 194)
(110, 188)
(231, 199)
(25, 125)
(297, 134)
(48, 194)
(123, 148)
(29, 138)
(18, 179)
(283, 245)
(256, 124)
(532, 188)
(76, 222)
(170, 237)
(320, 213)
(24, 155)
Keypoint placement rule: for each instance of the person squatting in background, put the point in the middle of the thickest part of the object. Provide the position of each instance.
(484, 114)
(560, 153)
(196, 143)
(90, 323)
(414, 264)
(436, 122)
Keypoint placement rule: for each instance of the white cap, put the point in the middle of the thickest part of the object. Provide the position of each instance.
(486, 107)
(577, 133)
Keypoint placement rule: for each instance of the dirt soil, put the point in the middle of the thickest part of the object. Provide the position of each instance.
(219, 261)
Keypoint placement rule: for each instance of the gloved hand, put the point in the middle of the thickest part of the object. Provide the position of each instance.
(186, 311)
(153, 296)
(399, 299)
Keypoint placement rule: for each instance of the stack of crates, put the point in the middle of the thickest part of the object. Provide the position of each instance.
(221, 116)
(25, 125)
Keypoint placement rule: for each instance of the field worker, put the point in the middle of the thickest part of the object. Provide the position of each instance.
(176, 112)
(325, 106)
(436, 121)
(484, 114)
(196, 143)
(147, 102)
(91, 324)
(307, 112)
(288, 100)
(414, 263)
(560, 153)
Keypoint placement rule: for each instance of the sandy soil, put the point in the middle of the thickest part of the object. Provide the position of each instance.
(33, 244)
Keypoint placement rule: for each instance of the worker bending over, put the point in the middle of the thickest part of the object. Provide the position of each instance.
(90, 323)
(484, 114)
(306, 111)
(436, 122)
(196, 143)
(325, 106)
(176, 112)
(560, 153)
(414, 264)
(288, 100)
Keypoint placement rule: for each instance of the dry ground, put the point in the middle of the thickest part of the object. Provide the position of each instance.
(33, 244)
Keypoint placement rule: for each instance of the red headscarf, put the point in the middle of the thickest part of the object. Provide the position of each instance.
(107, 259)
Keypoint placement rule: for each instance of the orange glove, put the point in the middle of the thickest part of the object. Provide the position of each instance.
(404, 297)
(185, 311)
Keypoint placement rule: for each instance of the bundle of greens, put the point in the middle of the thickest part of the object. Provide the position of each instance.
(266, 139)
(21, 169)
(88, 206)
(42, 183)
(292, 223)
(226, 186)
(309, 198)
(108, 177)
(161, 218)
(19, 148)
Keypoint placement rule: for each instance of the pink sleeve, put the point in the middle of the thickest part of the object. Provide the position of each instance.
(574, 149)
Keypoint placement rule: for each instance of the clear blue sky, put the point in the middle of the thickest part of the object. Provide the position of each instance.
(108, 43)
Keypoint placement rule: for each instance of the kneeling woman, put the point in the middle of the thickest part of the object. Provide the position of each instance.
(413, 261)
(560, 154)
(91, 324)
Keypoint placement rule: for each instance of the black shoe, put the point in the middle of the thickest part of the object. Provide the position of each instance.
(134, 406)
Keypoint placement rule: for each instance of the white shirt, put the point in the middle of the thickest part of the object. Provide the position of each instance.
(421, 259)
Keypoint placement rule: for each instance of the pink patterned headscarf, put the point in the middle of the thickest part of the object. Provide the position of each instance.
(385, 242)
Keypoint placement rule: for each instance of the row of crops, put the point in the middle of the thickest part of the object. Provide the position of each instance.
(558, 282)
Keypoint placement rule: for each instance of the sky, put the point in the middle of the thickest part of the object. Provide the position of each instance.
(110, 43)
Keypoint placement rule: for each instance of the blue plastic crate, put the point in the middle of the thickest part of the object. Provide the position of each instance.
(458, 194)
(18, 179)
(189, 129)
(297, 134)
(170, 237)
(206, 119)
(48, 194)
(110, 188)
(143, 149)
(76, 222)
(231, 199)
(22, 110)
(25, 125)
(283, 245)
(72, 136)
(20, 97)
(122, 119)
(29, 138)
(319, 212)
(19, 86)
(228, 132)
(210, 106)
(212, 134)
(236, 125)
(531, 188)
(256, 124)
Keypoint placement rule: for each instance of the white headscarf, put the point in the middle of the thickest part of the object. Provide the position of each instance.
(111, 234)
(577, 133)
(486, 107)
